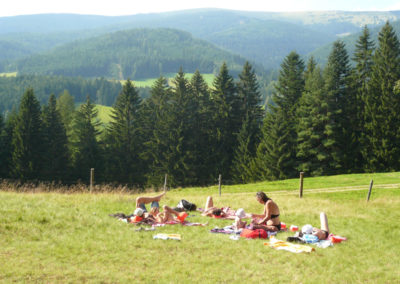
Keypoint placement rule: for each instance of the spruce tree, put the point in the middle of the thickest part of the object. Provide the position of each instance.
(123, 140)
(241, 164)
(202, 129)
(3, 149)
(312, 152)
(86, 148)
(338, 130)
(382, 105)
(181, 120)
(27, 139)
(66, 108)
(250, 101)
(154, 122)
(6, 150)
(56, 155)
(361, 77)
(279, 143)
(227, 120)
(273, 159)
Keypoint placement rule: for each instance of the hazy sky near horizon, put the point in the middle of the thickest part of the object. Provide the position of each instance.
(131, 7)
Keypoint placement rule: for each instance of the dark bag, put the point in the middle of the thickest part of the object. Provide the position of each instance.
(186, 205)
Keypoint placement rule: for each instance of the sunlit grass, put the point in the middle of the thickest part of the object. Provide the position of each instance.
(60, 237)
(9, 74)
(104, 113)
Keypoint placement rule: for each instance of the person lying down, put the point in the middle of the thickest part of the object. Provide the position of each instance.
(225, 212)
(155, 215)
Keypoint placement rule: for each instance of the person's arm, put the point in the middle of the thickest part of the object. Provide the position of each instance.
(267, 214)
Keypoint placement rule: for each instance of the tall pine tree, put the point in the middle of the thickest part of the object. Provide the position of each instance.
(338, 130)
(56, 155)
(383, 104)
(279, 144)
(361, 77)
(203, 126)
(123, 140)
(86, 148)
(27, 139)
(227, 120)
(154, 130)
(312, 114)
(252, 116)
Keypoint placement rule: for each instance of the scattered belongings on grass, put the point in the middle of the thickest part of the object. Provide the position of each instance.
(145, 229)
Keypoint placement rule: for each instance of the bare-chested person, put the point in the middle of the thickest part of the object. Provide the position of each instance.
(269, 220)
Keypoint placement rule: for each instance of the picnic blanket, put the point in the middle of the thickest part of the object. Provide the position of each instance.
(282, 245)
(185, 223)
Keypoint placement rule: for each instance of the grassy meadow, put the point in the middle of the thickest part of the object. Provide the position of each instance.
(9, 74)
(67, 236)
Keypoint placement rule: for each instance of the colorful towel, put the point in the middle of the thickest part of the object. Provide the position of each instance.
(282, 245)
(167, 237)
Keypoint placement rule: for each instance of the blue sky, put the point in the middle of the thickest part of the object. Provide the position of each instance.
(130, 7)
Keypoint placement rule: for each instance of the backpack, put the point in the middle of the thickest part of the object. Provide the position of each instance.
(186, 205)
(254, 234)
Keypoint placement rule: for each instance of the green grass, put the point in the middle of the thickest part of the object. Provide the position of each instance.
(59, 237)
(9, 74)
(104, 113)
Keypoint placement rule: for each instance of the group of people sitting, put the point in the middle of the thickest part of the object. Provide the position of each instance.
(269, 220)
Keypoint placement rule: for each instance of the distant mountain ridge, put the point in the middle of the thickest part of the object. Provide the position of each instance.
(262, 37)
(321, 54)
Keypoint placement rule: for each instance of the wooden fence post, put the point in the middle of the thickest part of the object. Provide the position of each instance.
(219, 182)
(370, 189)
(165, 182)
(301, 184)
(91, 179)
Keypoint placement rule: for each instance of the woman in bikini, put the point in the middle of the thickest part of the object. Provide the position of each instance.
(268, 221)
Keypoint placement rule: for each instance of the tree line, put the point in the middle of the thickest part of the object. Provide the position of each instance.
(323, 121)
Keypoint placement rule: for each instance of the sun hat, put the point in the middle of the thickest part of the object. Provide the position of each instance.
(240, 213)
(307, 229)
(138, 212)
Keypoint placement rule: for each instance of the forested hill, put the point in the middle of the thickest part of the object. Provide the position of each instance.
(135, 54)
(321, 54)
(263, 37)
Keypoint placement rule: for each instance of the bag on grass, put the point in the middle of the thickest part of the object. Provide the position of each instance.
(186, 205)
(254, 234)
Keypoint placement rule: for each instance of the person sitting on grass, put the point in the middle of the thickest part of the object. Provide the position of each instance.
(211, 211)
(269, 220)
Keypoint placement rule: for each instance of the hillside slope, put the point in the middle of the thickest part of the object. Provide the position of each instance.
(135, 54)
